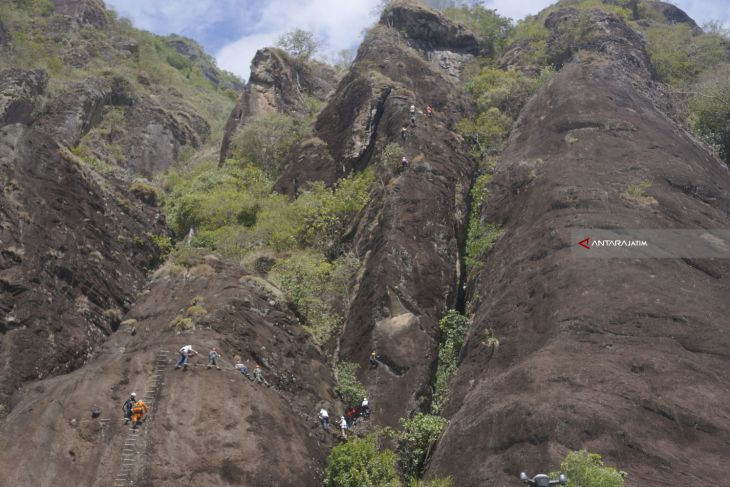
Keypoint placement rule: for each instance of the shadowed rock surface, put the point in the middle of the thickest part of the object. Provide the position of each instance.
(618, 356)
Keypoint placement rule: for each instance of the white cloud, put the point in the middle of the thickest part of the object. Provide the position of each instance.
(337, 23)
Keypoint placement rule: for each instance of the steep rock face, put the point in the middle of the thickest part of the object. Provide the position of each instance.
(5, 37)
(73, 250)
(147, 139)
(278, 83)
(621, 357)
(409, 235)
(19, 92)
(206, 425)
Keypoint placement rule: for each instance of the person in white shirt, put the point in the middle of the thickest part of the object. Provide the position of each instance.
(324, 418)
(185, 353)
(343, 427)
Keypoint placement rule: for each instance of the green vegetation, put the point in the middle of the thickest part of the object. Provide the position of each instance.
(350, 389)
(415, 442)
(267, 140)
(710, 110)
(149, 63)
(680, 55)
(318, 289)
(360, 463)
(638, 190)
(454, 327)
(163, 243)
(586, 469)
(481, 236)
(183, 323)
(484, 22)
(299, 43)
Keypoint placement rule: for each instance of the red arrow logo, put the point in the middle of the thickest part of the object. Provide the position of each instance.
(585, 243)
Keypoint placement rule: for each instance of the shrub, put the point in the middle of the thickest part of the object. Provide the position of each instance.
(637, 190)
(195, 311)
(359, 463)
(266, 141)
(710, 110)
(486, 23)
(182, 323)
(163, 244)
(487, 131)
(351, 390)
(454, 327)
(586, 469)
(680, 55)
(420, 433)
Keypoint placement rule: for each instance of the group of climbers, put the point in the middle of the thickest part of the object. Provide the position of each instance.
(404, 130)
(187, 351)
(347, 420)
(134, 411)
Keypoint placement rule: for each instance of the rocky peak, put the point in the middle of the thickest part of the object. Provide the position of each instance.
(673, 14)
(598, 31)
(195, 53)
(278, 83)
(429, 30)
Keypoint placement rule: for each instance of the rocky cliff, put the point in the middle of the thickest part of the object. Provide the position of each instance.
(279, 83)
(620, 357)
(617, 356)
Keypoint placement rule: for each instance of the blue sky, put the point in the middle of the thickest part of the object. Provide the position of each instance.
(232, 30)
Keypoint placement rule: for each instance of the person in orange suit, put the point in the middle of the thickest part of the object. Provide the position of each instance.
(139, 411)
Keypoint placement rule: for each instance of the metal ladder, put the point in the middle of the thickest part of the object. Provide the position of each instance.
(130, 454)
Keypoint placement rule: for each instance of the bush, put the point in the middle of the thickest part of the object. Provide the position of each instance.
(680, 55)
(266, 141)
(306, 279)
(486, 23)
(710, 110)
(359, 463)
(487, 131)
(351, 390)
(420, 433)
(586, 469)
(454, 327)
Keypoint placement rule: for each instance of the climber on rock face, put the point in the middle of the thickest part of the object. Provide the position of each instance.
(127, 407)
(404, 163)
(213, 359)
(258, 375)
(185, 352)
(240, 366)
(139, 410)
(403, 133)
(324, 418)
(429, 111)
(343, 427)
(373, 358)
(365, 408)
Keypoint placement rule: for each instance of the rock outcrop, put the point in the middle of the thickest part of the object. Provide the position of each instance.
(19, 95)
(278, 83)
(196, 55)
(206, 425)
(410, 235)
(621, 357)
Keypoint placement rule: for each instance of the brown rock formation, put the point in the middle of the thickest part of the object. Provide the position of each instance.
(410, 234)
(621, 357)
(278, 83)
(206, 425)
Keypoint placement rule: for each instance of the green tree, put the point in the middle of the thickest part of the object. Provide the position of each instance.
(266, 141)
(299, 43)
(710, 110)
(486, 23)
(585, 469)
(351, 389)
(359, 463)
(415, 442)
